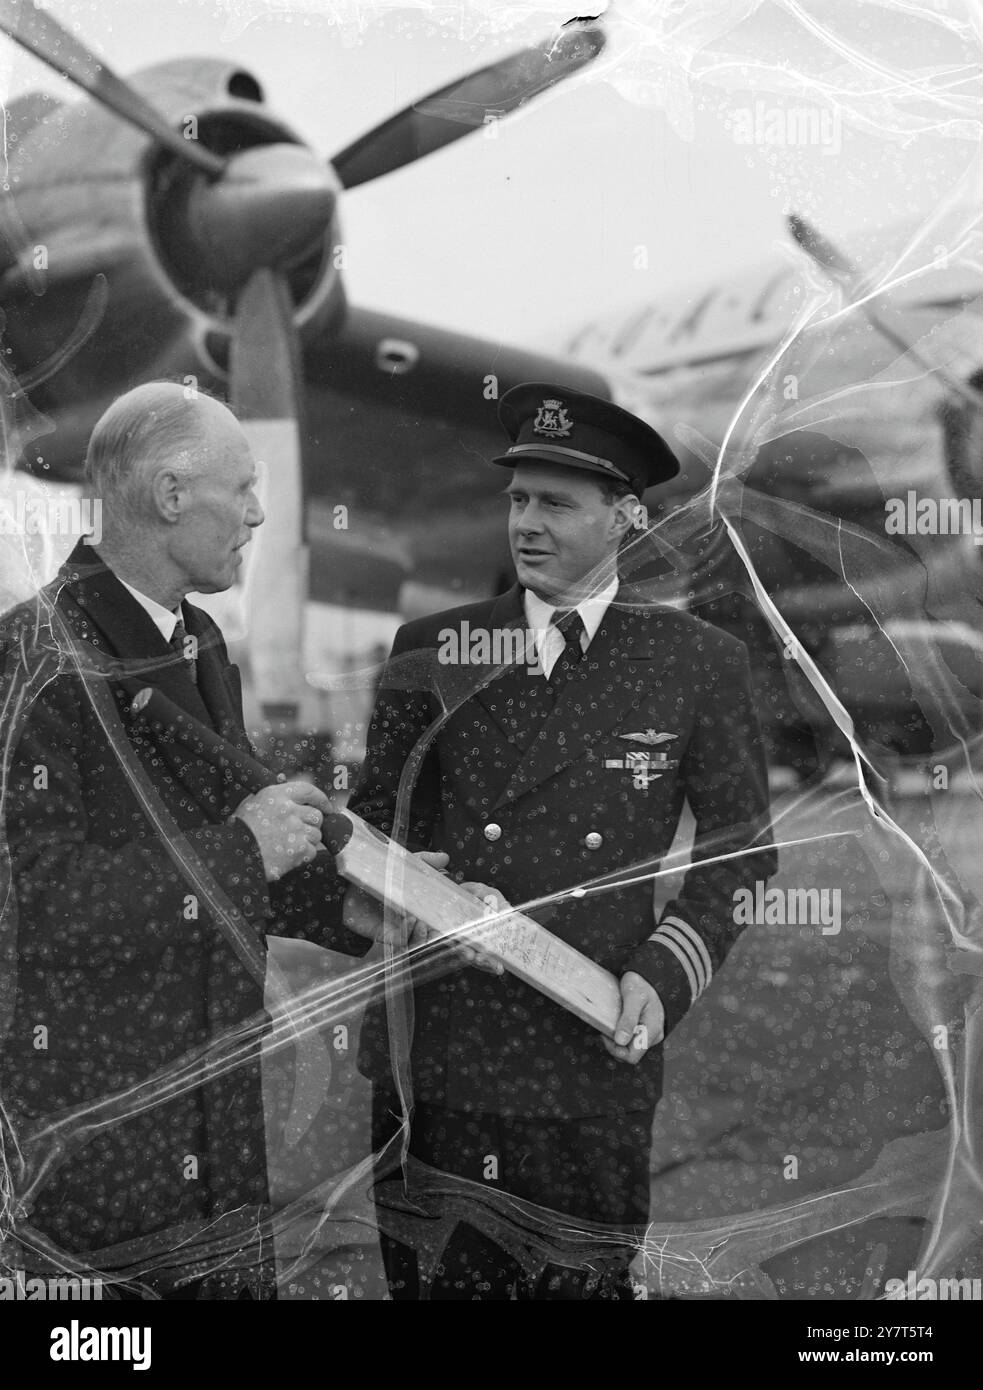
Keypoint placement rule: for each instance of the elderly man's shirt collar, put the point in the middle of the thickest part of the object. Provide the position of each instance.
(162, 617)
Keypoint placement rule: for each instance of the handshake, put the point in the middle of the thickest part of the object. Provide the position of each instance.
(286, 820)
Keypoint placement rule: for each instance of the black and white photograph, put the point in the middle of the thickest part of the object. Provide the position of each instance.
(491, 661)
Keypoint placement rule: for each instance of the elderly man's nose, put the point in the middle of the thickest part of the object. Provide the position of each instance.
(255, 516)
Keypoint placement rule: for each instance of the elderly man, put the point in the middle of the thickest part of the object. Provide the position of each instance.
(145, 879)
(557, 772)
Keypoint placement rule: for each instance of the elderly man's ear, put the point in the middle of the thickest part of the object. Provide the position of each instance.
(168, 489)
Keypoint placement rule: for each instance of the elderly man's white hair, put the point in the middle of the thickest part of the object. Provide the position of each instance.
(160, 424)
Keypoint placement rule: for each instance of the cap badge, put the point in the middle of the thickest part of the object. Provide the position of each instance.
(552, 420)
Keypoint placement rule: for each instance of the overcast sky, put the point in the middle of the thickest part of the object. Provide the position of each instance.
(531, 234)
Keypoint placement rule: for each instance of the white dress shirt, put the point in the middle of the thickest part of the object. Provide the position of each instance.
(549, 642)
(163, 618)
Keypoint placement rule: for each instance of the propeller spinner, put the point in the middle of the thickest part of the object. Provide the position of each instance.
(272, 207)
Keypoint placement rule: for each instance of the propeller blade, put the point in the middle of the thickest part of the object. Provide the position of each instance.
(455, 110)
(819, 247)
(887, 321)
(39, 33)
(266, 385)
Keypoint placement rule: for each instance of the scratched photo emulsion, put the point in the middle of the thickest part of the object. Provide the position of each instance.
(491, 657)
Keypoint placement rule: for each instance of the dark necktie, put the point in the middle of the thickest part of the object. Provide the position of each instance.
(570, 626)
(182, 647)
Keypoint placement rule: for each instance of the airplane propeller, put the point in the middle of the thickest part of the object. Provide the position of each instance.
(244, 220)
(268, 205)
(266, 388)
(273, 207)
(454, 111)
(886, 320)
(41, 34)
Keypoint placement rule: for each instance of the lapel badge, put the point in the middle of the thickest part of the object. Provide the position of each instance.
(552, 420)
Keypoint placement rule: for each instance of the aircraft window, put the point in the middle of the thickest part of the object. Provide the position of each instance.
(396, 356)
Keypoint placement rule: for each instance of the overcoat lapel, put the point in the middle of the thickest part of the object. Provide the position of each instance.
(116, 624)
(626, 660)
(127, 631)
(456, 684)
(219, 682)
(507, 697)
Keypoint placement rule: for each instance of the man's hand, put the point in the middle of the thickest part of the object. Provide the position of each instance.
(641, 1023)
(493, 903)
(286, 821)
(363, 914)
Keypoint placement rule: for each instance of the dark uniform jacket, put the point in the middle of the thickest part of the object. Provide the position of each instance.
(121, 968)
(660, 709)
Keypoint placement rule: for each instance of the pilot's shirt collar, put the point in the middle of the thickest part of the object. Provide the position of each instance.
(163, 618)
(539, 616)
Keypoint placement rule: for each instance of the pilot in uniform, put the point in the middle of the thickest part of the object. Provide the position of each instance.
(550, 773)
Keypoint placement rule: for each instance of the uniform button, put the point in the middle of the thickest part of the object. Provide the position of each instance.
(594, 840)
(493, 831)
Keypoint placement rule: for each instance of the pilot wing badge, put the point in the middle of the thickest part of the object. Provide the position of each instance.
(552, 420)
(643, 766)
(649, 736)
